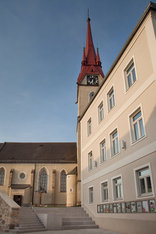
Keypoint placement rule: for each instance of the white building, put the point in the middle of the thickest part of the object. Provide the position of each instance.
(117, 132)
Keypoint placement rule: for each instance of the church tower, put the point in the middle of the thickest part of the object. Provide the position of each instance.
(91, 74)
(88, 82)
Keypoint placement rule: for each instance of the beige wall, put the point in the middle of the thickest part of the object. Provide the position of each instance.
(83, 93)
(142, 94)
(53, 195)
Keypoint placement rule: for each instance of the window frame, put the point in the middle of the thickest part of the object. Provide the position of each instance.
(101, 191)
(89, 126)
(4, 175)
(64, 184)
(47, 185)
(90, 159)
(105, 151)
(126, 74)
(115, 198)
(113, 154)
(132, 123)
(137, 185)
(111, 97)
(100, 110)
(90, 195)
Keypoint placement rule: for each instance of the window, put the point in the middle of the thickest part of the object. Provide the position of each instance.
(89, 122)
(117, 186)
(137, 127)
(111, 99)
(2, 174)
(103, 156)
(144, 185)
(63, 181)
(91, 95)
(22, 175)
(43, 180)
(101, 112)
(114, 143)
(104, 192)
(90, 161)
(130, 75)
(90, 195)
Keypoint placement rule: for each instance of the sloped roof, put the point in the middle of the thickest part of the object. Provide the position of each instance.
(12, 152)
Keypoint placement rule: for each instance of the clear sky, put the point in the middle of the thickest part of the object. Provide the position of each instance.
(41, 46)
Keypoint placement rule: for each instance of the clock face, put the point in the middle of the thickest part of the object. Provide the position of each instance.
(92, 80)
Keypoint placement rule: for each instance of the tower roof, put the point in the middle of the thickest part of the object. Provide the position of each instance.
(91, 63)
(89, 50)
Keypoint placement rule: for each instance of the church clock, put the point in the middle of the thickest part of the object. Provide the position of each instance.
(92, 80)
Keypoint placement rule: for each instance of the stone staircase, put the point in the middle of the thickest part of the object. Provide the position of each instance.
(78, 223)
(77, 218)
(28, 221)
(71, 218)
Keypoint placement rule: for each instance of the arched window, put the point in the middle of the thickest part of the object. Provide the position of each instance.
(63, 181)
(43, 177)
(2, 174)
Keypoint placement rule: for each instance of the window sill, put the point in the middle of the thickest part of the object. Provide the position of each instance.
(137, 141)
(118, 199)
(102, 163)
(105, 202)
(109, 110)
(127, 89)
(90, 204)
(89, 135)
(146, 195)
(114, 155)
(100, 121)
(90, 170)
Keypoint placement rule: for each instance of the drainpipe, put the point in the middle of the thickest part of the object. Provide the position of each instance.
(33, 187)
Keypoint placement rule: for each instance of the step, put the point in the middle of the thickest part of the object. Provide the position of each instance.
(70, 227)
(78, 223)
(30, 230)
(30, 225)
(30, 222)
(77, 219)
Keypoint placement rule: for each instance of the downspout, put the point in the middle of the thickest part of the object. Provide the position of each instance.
(33, 187)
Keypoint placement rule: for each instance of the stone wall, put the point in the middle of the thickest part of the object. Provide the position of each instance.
(9, 212)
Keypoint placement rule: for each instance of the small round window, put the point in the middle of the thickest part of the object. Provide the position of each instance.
(22, 175)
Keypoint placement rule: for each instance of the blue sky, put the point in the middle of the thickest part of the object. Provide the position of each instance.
(41, 48)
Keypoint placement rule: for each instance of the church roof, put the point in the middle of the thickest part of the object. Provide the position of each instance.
(91, 63)
(11, 152)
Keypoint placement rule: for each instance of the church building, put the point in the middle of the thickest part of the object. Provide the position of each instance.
(39, 173)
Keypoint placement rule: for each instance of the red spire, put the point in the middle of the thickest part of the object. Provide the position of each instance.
(98, 62)
(91, 63)
(90, 51)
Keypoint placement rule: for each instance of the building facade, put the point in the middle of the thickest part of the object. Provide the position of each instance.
(39, 173)
(117, 135)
